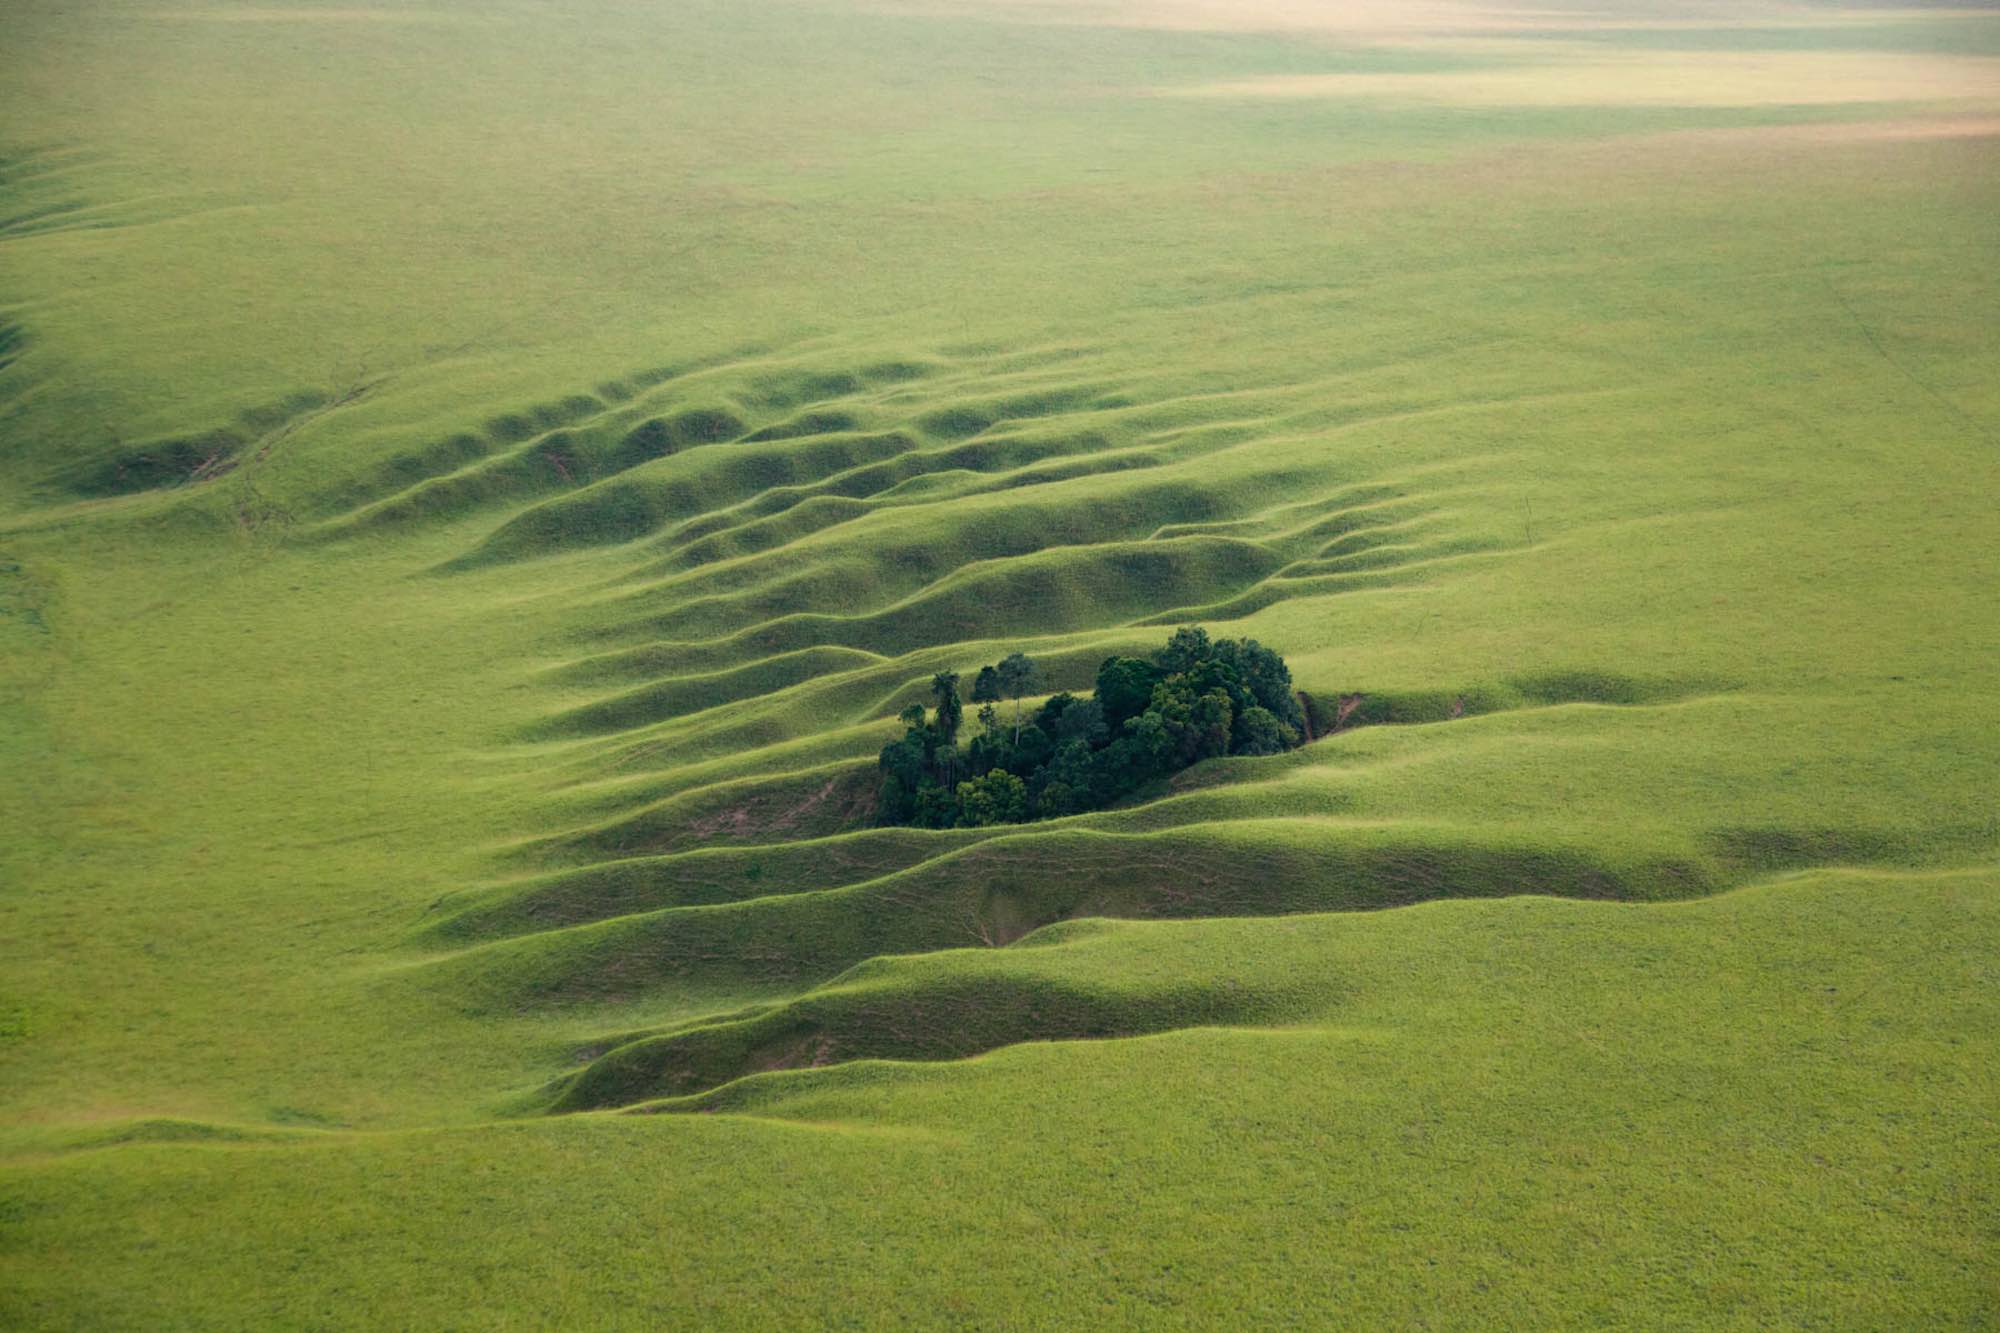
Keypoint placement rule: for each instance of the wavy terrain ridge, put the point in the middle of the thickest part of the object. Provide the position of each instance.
(939, 503)
(763, 558)
(765, 554)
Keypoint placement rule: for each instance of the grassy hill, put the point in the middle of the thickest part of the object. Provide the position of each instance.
(477, 484)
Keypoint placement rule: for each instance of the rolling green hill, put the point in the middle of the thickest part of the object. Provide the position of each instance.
(478, 483)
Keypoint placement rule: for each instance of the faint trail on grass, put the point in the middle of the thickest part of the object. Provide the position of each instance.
(255, 510)
(1929, 390)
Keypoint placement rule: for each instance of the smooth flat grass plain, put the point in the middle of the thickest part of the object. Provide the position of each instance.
(479, 484)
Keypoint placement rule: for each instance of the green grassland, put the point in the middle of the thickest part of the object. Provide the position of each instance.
(477, 485)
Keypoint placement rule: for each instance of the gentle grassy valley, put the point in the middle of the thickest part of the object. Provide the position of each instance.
(478, 485)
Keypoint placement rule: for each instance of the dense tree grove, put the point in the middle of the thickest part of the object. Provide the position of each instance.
(1194, 699)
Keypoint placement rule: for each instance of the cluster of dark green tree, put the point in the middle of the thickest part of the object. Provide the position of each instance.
(1195, 699)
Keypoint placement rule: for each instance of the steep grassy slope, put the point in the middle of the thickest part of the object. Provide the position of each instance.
(477, 485)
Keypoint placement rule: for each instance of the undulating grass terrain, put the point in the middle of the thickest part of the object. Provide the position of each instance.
(477, 484)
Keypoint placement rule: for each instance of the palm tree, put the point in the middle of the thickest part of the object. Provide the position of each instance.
(944, 688)
(1018, 675)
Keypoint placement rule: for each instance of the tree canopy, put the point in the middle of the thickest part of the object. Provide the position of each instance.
(1145, 719)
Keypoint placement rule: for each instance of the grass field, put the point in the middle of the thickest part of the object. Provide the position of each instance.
(477, 484)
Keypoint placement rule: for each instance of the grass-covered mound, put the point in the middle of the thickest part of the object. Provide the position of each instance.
(1146, 719)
